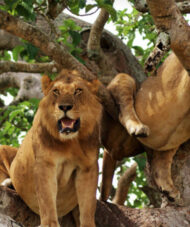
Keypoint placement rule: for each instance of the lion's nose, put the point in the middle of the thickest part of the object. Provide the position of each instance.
(65, 108)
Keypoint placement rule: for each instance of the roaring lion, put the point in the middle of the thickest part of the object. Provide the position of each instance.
(55, 169)
(163, 105)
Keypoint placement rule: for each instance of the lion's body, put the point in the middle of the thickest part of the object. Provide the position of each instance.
(56, 166)
(163, 104)
(160, 112)
(22, 173)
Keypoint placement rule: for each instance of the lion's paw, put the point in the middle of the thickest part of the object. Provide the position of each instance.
(137, 129)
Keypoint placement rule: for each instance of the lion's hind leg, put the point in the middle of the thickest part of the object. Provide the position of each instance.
(123, 88)
(161, 170)
(7, 154)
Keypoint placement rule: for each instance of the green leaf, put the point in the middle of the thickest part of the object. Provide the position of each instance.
(139, 51)
(16, 51)
(82, 4)
(141, 161)
(110, 10)
(76, 37)
(89, 7)
(12, 4)
(25, 9)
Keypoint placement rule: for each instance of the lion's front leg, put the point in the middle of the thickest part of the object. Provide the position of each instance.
(46, 191)
(86, 185)
(123, 88)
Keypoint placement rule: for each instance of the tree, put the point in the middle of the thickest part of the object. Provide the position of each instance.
(50, 40)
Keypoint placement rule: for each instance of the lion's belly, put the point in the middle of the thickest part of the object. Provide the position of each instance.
(166, 112)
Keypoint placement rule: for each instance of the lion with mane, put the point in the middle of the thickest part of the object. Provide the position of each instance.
(55, 169)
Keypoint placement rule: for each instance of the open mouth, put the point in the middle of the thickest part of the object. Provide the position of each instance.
(67, 125)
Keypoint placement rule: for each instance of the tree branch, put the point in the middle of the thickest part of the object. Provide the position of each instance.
(94, 49)
(107, 214)
(93, 46)
(55, 51)
(9, 66)
(29, 85)
(162, 46)
(141, 6)
(8, 41)
(168, 18)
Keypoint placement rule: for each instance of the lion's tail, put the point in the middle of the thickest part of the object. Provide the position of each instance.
(7, 154)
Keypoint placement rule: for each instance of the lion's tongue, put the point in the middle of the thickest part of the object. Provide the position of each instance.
(67, 123)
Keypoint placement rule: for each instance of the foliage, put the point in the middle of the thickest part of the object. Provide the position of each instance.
(130, 25)
(70, 37)
(16, 120)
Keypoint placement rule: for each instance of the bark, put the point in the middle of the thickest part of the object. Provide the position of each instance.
(141, 5)
(180, 174)
(93, 48)
(8, 41)
(168, 18)
(29, 85)
(107, 214)
(8, 66)
(161, 48)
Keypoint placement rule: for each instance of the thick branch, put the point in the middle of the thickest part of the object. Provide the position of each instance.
(54, 51)
(8, 66)
(29, 85)
(161, 48)
(93, 46)
(168, 18)
(141, 6)
(107, 214)
(8, 41)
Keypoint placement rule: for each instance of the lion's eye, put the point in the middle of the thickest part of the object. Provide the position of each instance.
(56, 92)
(78, 91)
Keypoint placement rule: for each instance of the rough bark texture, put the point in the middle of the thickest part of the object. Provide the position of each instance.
(9, 66)
(168, 18)
(141, 5)
(29, 85)
(107, 214)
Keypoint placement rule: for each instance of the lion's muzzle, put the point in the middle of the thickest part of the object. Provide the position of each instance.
(68, 125)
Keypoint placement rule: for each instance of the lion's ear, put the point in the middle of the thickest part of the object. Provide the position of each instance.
(46, 82)
(94, 86)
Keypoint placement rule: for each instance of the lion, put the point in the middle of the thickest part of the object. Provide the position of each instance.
(55, 169)
(158, 115)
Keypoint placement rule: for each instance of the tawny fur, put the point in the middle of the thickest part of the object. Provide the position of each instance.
(54, 172)
(161, 110)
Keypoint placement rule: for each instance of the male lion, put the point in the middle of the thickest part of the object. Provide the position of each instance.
(55, 168)
(162, 104)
